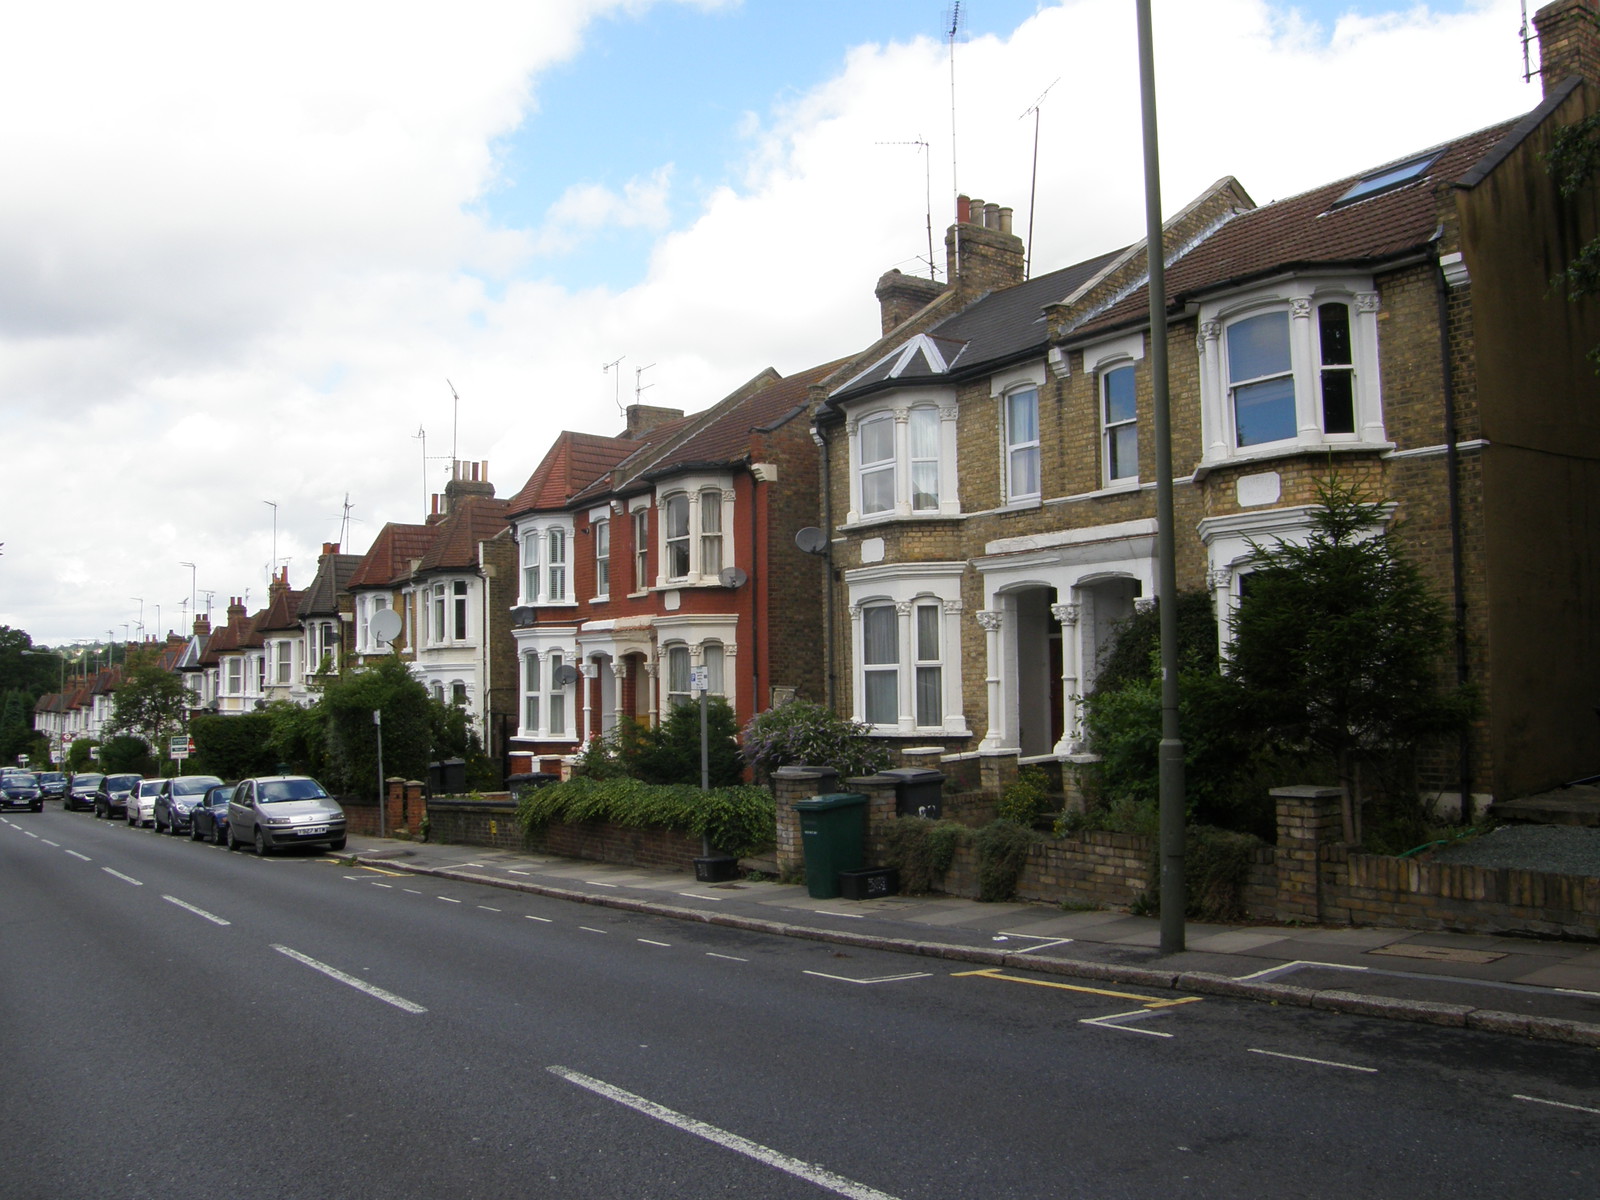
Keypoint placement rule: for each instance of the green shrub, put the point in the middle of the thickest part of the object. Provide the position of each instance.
(1216, 868)
(801, 733)
(670, 752)
(232, 747)
(736, 820)
(1002, 851)
(1027, 797)
(922, 850)
(126, 752)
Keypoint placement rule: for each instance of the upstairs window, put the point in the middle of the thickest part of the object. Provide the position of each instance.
(877, 464)
(710, 531)
(1260, 379)
(924, 434)
(530, 568)
(436, 628)
(458, 612)
(641, 550)
(283, 663)
(602, 558)
(1337, 368)
(1022, 444)
(1119, 424)
(556, 565)
(676, 518)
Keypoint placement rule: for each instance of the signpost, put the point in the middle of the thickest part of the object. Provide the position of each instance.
(180, 747)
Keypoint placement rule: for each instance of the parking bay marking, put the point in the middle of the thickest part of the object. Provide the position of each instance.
(1555, 1104)
(361, 985)
(1316, 1062)
(1151, 1004)
(199, 912)
(810, 1172)
(880, 979)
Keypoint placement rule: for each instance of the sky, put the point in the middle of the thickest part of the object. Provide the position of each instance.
(250, 258)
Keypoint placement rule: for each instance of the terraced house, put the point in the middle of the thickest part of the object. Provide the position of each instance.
(991, 501)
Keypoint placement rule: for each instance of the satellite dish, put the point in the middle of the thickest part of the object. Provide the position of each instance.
(812, 540)
(567, 675)
(731, 577)
(386, 626)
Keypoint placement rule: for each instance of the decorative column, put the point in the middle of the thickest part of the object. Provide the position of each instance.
(652, 668)
(1071, 736)
(590, 676)
(1213, 417)
(619, 672)
(1220, 581)
(955, 718)
(1302, 357)
(906, 700)
(991, 619)
(1363, 340)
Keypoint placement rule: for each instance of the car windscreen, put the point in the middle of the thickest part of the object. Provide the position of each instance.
(22, 779)
(194, 785)
(121, 782)
(86, 781)
(51, 777)
(277, 790)
(149, 787)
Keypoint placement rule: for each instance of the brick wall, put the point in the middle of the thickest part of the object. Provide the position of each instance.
(664, 849)
(403, 810)
(487, 822)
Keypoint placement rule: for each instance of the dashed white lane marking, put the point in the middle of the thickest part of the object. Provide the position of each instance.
(648, 942)
(1556, 1104)
(32, 834)
(810, 1172)
(48, 842)
(1318, 1062)
(729, 957)
(75, 854)
(448, 899)
(390, 886)
(486, 908)
(413, 891)
(591, 929)
(124, 878)
(361, 985)
(542, 920)
(199, 912)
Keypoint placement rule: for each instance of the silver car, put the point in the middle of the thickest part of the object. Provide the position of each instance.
(273, 811)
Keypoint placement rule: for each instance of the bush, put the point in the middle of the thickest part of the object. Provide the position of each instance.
(233, 747)
(1002, 851)
(1027, 797)
(126, 752)
(670, 752)
(1216, 867)
(801, 733)
(736, 820)
(352, 746)
(922, 850)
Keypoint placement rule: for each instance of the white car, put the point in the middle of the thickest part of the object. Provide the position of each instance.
(142, 802)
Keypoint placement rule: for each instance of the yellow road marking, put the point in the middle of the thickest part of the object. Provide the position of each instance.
(378, 870)
(1148, 1001)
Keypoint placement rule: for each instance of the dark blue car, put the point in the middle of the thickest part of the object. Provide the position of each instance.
(208, 820)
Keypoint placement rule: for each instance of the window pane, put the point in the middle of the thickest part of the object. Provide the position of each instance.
(1333, 330)
(1122, 445)
(877, 491)
(678, 517)
(1338, 401)
(1025, 471)
(883, 705)
(924, 433)
(1258, 346)
(1119, 390)
(927, 632)
(1022, 416)
(1264, 412)
(928, 699)
(877, 440)
(714, 676)
(878, 634)
(924, 486)
(710, 512)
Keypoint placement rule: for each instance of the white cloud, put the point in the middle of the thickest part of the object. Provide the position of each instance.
(248, 250)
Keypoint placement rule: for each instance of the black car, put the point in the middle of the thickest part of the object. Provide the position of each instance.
(111, 797)
(208, 820)
(81, 793)
(53, 785)
(20, 789)
(177, 798)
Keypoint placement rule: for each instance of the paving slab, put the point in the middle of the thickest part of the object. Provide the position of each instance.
(1232, 941)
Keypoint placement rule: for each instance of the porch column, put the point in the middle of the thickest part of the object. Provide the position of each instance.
(590, 675)
(651, 669)
(1071, 738)
(991, 619)
(906, 635)
(1221, 581)
(619, 671)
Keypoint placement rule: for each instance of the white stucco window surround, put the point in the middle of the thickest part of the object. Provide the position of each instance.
(688, 640)
(1228, 542)
(1112, 364)
(905, 642)
(694, 519)
(1291, 366)
(1080, 582)
(545, 551)
(903, 456)
(547, 711)
(1018, 393)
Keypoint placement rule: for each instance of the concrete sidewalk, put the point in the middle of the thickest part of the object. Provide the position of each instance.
(1507, 984)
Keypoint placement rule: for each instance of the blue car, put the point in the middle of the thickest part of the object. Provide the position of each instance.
(208, 820)
(176, 800)
(20, 789)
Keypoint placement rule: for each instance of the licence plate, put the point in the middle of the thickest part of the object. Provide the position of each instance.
(311, 830)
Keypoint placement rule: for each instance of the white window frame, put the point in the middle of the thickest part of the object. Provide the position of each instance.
(1112, 429)
(460, 611)
(896, 413)
(710, 639)
(546, 580)
(1025, 446)
(436, 612)
(1299, 298)
(282, 662)
(707, 502)
(532, 708)
(602, 558)
(641, 548)
(907, 589)
(531, 591)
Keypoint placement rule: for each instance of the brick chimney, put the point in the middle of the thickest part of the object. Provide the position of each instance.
(278, 586)
(468, 479)
(236, 609)
(642, 418)
(202, 627)
(901, 296)
(981, 252)
(1569, 41)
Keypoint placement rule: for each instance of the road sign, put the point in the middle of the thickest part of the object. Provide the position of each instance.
(181, 746)
(699, 679)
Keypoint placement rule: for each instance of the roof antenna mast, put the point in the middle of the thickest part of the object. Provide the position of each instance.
(640, 387)
(1033, 183)
(455, 421)
(955, 178)
(927, 198)
(606, 369)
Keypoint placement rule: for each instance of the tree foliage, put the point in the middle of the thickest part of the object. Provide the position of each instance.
(1337, 645)
(233, 747)
(151, 703)
(800, 733)
(351, 765)
(1574, 162)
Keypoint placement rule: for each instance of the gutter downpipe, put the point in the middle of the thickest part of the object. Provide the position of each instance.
(828, 687)
(1452, 457)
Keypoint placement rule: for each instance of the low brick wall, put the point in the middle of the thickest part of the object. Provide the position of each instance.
(664, 849)
(403, 811)
(1100, 870)
(487, 821)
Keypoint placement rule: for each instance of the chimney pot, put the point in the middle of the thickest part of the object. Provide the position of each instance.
(1005, 220)
(991, 216)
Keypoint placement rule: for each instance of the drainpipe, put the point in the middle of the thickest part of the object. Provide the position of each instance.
(828, 682)
(1452, 458)
(758, 574)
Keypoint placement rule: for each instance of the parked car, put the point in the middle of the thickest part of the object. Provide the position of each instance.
(53, 784)
(208, 820)
(141, 806)
(111, 797)
(80, 794)
(21, 790)
(177, 798)
(273, 811)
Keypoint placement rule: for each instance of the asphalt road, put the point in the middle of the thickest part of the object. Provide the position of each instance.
(181, 1022)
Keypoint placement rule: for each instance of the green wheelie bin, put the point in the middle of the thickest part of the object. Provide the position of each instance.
(833, 832)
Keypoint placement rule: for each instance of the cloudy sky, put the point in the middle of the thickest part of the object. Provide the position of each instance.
(242, 250)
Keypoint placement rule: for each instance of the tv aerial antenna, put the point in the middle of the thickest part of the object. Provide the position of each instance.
(950, 36)
(422, 435)
(607, 369)
(639, 387)
(1033, 182)
(927, 198)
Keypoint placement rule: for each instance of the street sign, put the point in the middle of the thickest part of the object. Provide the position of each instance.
(181, 746)
(699, 679)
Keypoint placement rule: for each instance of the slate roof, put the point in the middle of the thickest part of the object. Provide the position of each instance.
(388, 560)
(472, 519)
(334, 572)
(1308, 231)
(282, 612)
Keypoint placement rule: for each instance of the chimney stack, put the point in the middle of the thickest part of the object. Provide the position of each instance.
(901, 296)
(466, 479)
(1569, 41)
(642, 418)
(981, 252)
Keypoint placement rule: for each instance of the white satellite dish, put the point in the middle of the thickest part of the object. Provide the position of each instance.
(732, 577)
(386, 626)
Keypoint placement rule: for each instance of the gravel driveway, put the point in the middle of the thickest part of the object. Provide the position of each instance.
(1556, 849)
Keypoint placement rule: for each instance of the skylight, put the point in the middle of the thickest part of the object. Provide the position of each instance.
(1387, 179)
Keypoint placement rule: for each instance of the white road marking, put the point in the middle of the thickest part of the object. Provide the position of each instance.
(514, 871)
(1303, 962)
(390, 886)
(486, 908)
(413, 891)
(1114, 1021)
(361, 985)
(598, 883)
(199, 912)
(48, 842)
(810, 1172)
(75, 854)
(701, 896)
(1318, 1062)
(31, 834)
(124, 878)
(822, 912)
(880, 979)
(648, 942)
(542, 920)
(448, 899)
(729, 957)
(1045, 943)
(590, 929)
(1556, 1104)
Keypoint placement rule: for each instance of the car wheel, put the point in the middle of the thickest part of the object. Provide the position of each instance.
(39, 807)
(127, 815)
(261, 843)
(194, 831)
(336, 844)
(233, 842)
